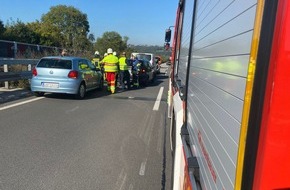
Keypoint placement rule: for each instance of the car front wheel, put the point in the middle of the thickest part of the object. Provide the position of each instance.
(39, 94)
(101, 86)
(81, 92)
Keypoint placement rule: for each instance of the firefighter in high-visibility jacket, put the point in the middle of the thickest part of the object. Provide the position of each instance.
(102, 66)
(96, 60)
(124, 73)
(111, 67)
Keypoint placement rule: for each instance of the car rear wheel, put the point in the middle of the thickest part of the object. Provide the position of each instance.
(38, 94)
(153, 79)
(145, 81)
(81, 92)
(101, 84)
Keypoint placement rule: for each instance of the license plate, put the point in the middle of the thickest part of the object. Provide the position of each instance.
(49, 85)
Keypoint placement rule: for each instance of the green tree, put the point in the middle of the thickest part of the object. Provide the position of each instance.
(69, 24)
(111, 40)
(91, 38)
(21, 32)
(2, 29)
(49, 35)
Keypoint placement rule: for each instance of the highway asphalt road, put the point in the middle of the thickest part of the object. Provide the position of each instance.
(106, 141)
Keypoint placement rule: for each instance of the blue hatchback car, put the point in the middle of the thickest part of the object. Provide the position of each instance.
(68, 75)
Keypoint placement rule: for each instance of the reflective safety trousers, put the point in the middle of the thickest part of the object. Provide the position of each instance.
(111, 81)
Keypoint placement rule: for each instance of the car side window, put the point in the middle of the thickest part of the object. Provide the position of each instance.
(83, 65)
(91, 65)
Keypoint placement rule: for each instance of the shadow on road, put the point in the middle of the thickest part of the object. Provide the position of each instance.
(8, 95)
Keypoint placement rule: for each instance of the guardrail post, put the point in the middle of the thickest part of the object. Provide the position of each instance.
(15, 49)
(29, 67)
(6, 83)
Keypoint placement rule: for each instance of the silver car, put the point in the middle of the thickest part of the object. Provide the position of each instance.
(69, 75)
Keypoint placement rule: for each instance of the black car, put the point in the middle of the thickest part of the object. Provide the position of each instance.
(143, 71)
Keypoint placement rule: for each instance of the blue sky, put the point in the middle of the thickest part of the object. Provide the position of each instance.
(143, 21)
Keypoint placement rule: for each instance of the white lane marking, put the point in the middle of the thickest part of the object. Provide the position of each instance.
(142, 168)
(158, 99)
(72, 110)
(121, 180)
(20, 103)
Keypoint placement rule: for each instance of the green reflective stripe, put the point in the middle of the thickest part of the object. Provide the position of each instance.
(113, 89)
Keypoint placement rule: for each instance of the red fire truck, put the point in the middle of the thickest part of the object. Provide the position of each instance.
(229, 95)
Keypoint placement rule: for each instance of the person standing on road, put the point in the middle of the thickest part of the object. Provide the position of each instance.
(117, 75)
(96, 59)
(111, 69)
(124, 73)
(135, 72)
(102, 66)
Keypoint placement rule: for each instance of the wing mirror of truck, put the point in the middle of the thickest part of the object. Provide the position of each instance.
(167, 35)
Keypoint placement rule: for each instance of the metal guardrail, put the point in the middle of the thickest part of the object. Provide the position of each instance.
(7, 75)
(12, 49)
(12, 61)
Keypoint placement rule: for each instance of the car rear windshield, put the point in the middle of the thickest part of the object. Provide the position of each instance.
(145, 65)
(144, 56)
(55, 63)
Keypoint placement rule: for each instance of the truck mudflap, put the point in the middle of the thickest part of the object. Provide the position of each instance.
(191, 169)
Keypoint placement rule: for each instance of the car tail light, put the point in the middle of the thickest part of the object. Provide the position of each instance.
(73, 74)
(34, 72)
(143, 71)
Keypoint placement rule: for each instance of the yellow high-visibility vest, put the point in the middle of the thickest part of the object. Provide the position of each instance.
(122, 64)
(111, 63)
(96, 62)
